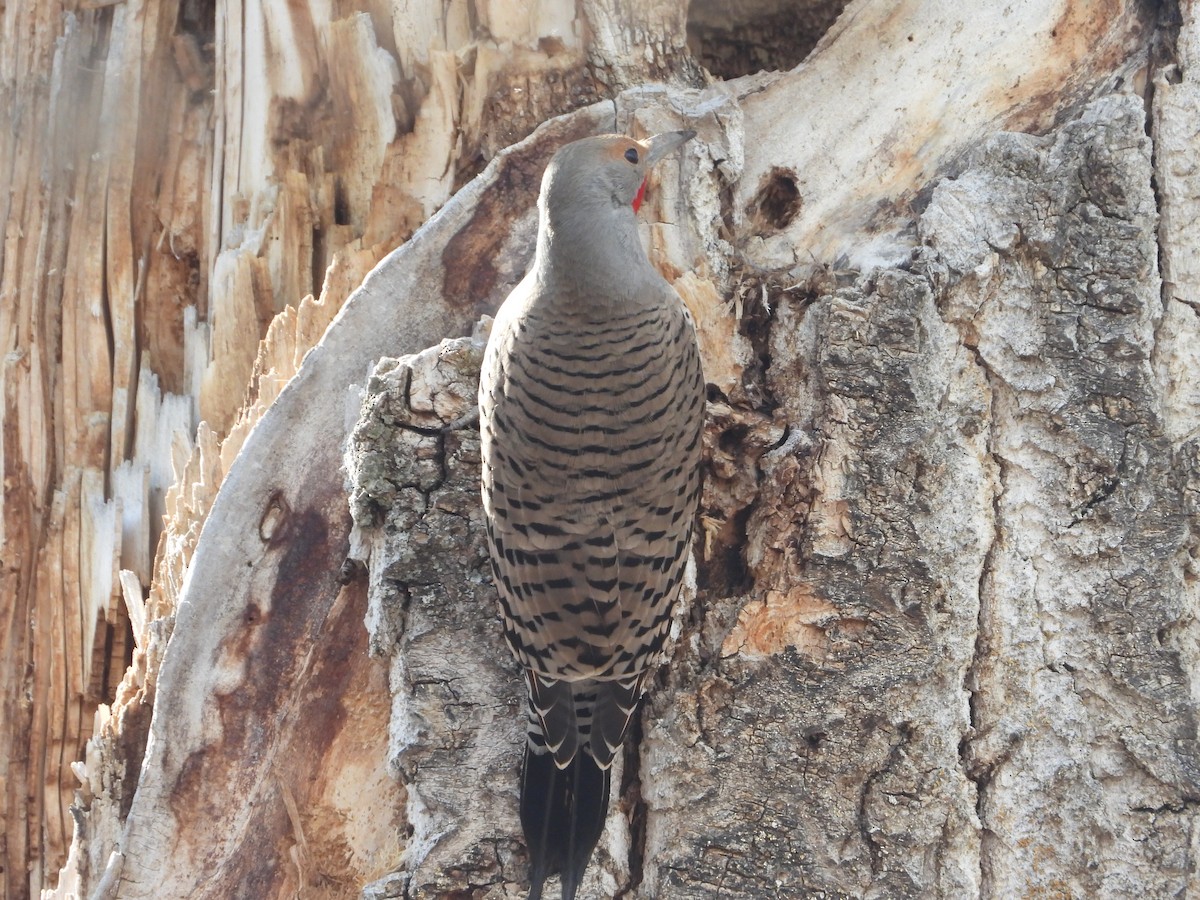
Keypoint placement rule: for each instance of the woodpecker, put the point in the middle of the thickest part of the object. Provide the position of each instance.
(591, 407)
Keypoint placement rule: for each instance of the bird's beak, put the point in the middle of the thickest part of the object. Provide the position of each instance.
(662, 144)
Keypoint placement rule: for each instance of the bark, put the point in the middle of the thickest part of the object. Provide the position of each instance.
(966, 559)
(942, 637)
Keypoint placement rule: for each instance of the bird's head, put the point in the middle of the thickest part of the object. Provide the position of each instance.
(605, 170)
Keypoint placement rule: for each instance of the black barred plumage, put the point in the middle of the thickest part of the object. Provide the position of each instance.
(591, 409)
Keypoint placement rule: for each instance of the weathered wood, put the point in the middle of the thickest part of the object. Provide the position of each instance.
(175, 185)
(176, 175)
(821, 185)
(287, 554)
(45, 158)
(889, 635)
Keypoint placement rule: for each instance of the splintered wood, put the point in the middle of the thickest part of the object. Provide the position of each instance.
(181, 186)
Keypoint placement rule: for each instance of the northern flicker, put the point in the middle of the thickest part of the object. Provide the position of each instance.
(591, 405)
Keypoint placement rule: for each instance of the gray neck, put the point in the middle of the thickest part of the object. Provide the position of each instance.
(591, 252)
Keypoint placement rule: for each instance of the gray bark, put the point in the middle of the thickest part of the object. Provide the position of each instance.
(455, 732)
(953, 655)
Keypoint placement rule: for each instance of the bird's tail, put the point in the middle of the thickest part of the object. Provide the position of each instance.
(574, 731)
(562, 813)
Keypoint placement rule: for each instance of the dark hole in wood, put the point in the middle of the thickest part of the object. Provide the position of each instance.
(740, 37)
(778, 200)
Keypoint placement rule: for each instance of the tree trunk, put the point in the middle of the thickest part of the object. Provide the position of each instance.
(941, 639)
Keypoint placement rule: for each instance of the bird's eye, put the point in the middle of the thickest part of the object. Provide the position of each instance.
(631, 155)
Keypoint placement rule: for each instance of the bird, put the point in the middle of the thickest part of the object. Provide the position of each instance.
(591, 413)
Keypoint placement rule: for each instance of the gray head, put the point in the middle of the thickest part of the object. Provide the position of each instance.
(587, 230)
(607, 170)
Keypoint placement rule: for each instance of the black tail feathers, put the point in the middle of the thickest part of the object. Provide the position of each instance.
(562, 813)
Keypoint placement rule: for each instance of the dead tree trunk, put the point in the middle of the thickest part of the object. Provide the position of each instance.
(942, 640)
